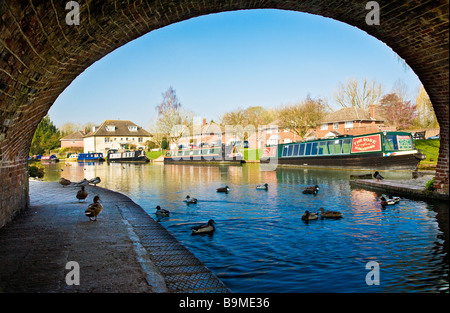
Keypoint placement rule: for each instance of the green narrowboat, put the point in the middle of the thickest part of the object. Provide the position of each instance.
(381, 151)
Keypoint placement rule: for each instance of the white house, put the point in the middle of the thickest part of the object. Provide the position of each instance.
(115, 134)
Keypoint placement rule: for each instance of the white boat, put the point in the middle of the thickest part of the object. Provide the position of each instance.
(73, 157)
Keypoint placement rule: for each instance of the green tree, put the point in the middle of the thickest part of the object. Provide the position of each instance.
(46, 137)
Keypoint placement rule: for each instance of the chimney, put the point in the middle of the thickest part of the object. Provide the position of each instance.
(372, 111)
(204, 122)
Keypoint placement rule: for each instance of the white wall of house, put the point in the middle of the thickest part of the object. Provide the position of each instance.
(103, 144)
(89, 145)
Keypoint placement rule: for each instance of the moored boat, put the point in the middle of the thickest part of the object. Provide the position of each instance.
(90, 156)
(381, 151)
(73, 157)
(49, 158)
(209, 155)
(127, 156)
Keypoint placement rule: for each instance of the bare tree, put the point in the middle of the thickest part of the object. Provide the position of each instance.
(255, 116)
(87, 127)
(400, 89)
(358, 94)
(300, 117)
(426, 116)
(170, 102)
(244, 122)
(235, 117)
(172, 121)
(69, 128)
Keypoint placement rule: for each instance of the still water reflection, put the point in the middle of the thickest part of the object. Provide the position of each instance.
(261, 244)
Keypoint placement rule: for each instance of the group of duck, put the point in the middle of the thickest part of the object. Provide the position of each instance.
(95, 208)
(209, 226)
(94, 181)
(308, 216)
(389, 201)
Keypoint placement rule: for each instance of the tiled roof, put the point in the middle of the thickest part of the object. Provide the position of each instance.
(121, 128)
(351, 114)
(78, 135)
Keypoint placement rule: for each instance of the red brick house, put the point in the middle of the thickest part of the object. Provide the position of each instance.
(351, 121)
(74, 140)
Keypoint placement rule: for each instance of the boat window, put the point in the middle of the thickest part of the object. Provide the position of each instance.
(302, 149)
(390, 142)
(322, 146)
(308, 149)
(314, 148)
(285, 150)
(295, 150)
(291, 147)
(404, 142)
(337, 146)
(346, 146)
(330, 145)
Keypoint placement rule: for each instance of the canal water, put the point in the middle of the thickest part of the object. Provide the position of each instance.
(262, 245)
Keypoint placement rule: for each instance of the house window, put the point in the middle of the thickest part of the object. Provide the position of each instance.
(107, 139)
(335, 125)
(140, 139)
(286, 130)
(324, 126)
(110, 128)
(132, 128)
(349, 124)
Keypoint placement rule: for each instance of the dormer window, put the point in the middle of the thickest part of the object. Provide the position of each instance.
(110, 128)
(132, 128)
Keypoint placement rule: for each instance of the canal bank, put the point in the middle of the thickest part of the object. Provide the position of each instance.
(52, 246)
(414, 187)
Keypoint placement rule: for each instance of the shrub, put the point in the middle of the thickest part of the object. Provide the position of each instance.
(36, 170)
(429, 186)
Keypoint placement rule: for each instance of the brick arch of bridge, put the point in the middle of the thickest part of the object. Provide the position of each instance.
(40, 55)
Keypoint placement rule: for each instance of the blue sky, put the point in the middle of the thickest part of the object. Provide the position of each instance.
(219, 62)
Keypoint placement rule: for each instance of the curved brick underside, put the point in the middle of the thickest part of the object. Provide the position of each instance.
(40, 55)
